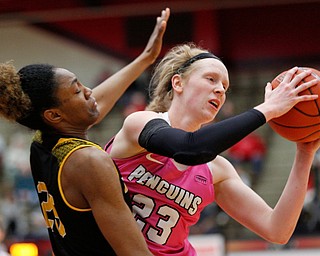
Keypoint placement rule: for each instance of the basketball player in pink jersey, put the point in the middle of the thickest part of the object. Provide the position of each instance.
(169, 161)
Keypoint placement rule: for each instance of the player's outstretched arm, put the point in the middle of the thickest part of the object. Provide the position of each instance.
(109, 91)
(276, 224)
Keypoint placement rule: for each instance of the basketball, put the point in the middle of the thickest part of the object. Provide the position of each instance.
(302, 122)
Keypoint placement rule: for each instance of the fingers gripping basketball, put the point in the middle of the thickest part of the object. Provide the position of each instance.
(302, 122)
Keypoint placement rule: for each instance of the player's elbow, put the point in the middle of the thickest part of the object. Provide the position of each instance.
(279, 238)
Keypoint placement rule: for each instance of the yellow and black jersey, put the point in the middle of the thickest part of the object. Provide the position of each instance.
(72, 231)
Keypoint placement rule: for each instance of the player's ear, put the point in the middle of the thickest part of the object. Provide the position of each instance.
(52, 115)
(176, 82)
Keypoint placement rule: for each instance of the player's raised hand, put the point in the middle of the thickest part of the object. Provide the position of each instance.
(154, 44)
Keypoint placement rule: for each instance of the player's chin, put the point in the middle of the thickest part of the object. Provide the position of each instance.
(209, 117)
(213, 113)
(94, 114)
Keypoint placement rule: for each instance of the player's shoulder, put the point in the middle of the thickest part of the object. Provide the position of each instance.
(143, 116)
(222, 169)
(90, 162)
(90, 155)
(137, 120)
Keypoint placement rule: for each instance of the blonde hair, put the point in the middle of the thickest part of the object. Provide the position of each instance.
(160, 89)
(14, 103)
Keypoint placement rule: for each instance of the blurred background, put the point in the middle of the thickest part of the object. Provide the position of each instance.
(256, 40)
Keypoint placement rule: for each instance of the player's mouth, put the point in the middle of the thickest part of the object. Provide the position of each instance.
(94, 103)
(215, 103)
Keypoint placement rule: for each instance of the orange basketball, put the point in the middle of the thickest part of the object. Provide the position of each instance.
(302, 122)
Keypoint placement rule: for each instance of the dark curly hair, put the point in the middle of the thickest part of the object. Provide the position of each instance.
(24, 95)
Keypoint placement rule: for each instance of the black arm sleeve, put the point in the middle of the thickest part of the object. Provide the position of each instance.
(203, 145)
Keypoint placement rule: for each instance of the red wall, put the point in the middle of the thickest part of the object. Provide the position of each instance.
(243, 34)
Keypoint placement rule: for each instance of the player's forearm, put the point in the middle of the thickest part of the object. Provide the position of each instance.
(288, 209)
(202, 146)
(121, 221)
(110, 90)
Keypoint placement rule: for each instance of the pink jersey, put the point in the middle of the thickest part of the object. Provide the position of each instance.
(165, 200)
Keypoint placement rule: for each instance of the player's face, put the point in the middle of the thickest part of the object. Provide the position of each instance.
(205, 89)
(78, 107)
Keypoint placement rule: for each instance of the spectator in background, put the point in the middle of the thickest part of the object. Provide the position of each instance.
(3, 248)
(13, 213)
(310, 217)
(251, 149)
(137, 102)
(18, 171)
(2, 155)
(17, 157)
